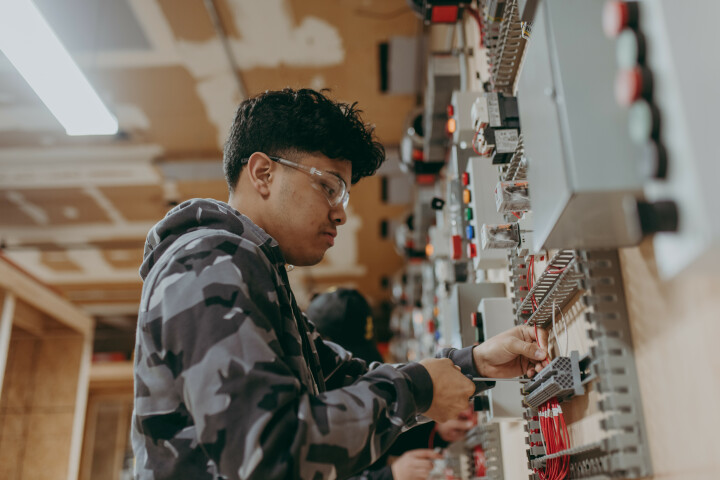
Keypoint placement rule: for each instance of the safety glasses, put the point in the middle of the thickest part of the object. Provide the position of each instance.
(333, 187)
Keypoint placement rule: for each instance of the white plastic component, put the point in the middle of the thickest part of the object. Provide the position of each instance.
(479, 113)
(439, 240)
(463, 103)
(483, 177)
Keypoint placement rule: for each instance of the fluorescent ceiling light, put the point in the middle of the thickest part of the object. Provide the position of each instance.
(33, 48)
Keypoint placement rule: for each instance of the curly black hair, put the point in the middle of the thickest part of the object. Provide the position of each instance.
(289, 121)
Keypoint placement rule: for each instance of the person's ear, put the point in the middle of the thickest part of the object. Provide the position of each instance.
(261, 171)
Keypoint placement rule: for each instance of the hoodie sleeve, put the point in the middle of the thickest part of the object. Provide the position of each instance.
(252, 417)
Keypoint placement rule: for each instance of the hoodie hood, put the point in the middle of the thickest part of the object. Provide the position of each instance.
(202, 214)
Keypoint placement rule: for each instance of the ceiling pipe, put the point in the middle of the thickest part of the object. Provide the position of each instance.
(222, 34)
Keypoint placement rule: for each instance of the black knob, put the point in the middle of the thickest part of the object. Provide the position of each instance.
(654, 162)
(437, 203)
(659, 216)
(481, 403)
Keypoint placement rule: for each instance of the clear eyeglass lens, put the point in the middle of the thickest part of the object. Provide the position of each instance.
(334, 190)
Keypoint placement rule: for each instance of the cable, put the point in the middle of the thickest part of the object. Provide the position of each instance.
(222, 34)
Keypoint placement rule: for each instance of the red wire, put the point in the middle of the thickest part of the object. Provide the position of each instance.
(476, 15)
(516, 215)
(474, 141)
(556, 439)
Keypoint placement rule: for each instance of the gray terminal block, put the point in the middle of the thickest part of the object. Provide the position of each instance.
(560, 379)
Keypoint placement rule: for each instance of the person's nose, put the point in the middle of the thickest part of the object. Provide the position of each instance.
(338, 215)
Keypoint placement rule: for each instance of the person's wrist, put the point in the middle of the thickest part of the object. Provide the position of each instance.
(478, 360)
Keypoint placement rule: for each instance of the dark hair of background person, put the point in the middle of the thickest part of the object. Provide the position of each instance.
(283, 122)
(344, 316)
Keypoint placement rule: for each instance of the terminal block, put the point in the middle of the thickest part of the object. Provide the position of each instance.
(512, 196)
(560, 379)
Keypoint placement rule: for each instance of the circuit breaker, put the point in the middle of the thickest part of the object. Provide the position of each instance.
(583, 188)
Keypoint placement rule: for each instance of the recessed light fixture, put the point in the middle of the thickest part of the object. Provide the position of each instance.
(32, 47)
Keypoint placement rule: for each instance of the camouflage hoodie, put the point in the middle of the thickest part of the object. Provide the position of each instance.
(233, 382)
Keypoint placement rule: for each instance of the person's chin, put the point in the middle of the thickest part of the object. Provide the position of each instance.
(309, 261)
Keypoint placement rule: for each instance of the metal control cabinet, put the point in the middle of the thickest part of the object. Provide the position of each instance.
(582, 186)
(463, 299)
(443, 78)
(505, 399)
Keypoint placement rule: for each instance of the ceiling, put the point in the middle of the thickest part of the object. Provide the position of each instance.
(74, 211)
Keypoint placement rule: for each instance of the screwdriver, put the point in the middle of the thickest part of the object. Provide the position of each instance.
(514, 379)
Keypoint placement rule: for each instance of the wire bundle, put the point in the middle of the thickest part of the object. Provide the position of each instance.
(555, 439)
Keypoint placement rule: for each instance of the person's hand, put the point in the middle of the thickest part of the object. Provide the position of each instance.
(414, 464)
(454, 429)
(451, 389)
(511, 353)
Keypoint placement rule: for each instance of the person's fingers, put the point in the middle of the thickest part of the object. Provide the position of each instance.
(529, 350)
(530, 372)
(424, 453)
(541, 338)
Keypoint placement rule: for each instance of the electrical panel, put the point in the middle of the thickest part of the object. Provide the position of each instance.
(582, 187)
(585, 130)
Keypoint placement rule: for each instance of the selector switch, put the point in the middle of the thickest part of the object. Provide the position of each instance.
(659, 216)
(633, 84)
(481, 403)
(654, 162)
(630, 49)
(643, 122)
(470, 232)
(619, 15)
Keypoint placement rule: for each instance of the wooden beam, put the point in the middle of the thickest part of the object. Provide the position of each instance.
(44, 299)
(6, 319)
(111, 375)
(29, 319)
(81, 398)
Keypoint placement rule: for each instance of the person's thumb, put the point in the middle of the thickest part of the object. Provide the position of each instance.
(529, 350)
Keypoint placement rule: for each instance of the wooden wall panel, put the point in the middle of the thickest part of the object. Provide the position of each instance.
(13, 430)
(675, 327)
(47, 446)
(56, 372)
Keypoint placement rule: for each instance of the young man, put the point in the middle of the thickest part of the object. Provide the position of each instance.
(231, 380)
